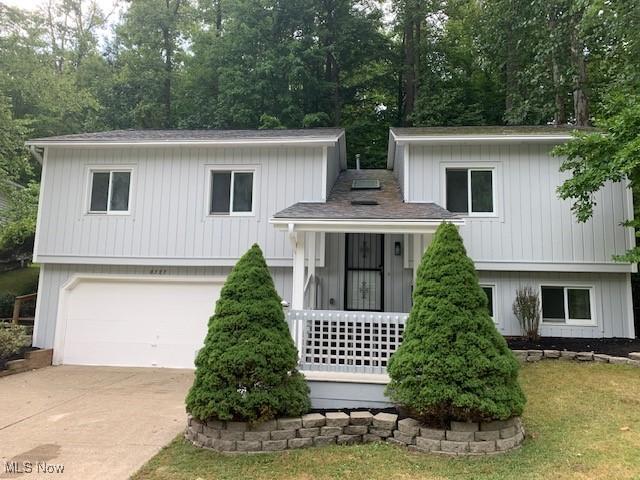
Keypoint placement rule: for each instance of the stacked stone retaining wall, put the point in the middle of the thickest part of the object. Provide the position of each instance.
(316, 429)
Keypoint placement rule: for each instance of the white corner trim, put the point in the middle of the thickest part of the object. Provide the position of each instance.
(36, 320)
(405, 173)
(323, 192)
(43, 183)
(72, 283)
(631, 333)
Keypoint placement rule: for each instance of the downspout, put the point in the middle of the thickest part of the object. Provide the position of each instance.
(36, 153)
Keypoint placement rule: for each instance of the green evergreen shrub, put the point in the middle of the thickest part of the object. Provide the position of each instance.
(453, 364)
(246, 370)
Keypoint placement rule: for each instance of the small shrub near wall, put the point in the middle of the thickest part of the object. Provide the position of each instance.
(12, 339)
(526, 308)
(453, 364)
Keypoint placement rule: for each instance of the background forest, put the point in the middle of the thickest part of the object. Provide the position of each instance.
(363, 65)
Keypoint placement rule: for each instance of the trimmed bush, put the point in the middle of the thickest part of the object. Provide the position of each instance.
(246, 370)
(453, 364)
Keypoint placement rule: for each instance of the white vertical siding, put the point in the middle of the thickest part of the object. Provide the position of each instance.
(533, 224)
(169, 203)
(55, 276)
(611, 301)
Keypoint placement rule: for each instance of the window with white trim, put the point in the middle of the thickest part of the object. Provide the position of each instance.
(231, 192)
(568, 305)
(489, 291)
(470, 190)
(109, 191)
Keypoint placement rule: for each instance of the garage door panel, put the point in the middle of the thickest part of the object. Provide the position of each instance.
(137, 323)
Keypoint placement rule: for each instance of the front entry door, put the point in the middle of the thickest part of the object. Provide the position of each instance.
(364, 261)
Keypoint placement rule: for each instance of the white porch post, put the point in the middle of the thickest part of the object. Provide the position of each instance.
(297, 242)
(311, 270)
(417, 255)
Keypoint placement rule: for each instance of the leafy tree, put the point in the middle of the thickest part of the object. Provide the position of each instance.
(269, 122)
(247, 367)
(453, 363)
(611, 154)
(149, 46)
(18, 219)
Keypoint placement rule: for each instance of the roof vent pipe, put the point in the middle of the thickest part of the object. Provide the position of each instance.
(357, 161)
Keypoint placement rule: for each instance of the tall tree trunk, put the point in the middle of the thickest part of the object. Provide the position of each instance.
(409, 69)
(580, 98)
(560, 112)
(168, 71)
(511, 80)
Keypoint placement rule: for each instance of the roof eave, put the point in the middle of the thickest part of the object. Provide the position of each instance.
(319, 142)
(355, 225)
(423, 139)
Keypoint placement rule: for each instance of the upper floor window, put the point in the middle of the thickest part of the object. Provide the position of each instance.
(231, 192)
(110, 191)
(470, 190)
(570, 305)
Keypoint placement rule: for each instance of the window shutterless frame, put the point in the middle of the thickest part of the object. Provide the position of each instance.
(492, 286)
(472, 168)
(211, 169)
(589, 322)
(110, 169)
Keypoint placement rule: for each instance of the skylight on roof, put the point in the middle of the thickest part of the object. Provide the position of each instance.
(365, 184)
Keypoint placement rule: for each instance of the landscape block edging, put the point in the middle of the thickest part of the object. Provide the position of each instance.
(537, 355)
(316, 429)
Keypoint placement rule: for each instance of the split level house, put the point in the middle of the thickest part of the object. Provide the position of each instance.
(137, 231)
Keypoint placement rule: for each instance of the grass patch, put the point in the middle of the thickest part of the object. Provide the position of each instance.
(582, 422)
(18, 281)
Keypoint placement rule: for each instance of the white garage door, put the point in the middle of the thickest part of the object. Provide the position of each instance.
(140, 323)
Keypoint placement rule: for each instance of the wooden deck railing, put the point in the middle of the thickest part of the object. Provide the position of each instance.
(339, 341)
(17, 306)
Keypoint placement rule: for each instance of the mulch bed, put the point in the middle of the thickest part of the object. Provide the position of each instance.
(619, 347)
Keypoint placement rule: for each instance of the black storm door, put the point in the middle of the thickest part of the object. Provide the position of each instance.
(364, 276)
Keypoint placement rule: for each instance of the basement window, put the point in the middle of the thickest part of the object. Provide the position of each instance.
(567, 305)
(110, 191)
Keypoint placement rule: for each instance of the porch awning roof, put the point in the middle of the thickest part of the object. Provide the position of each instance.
(371, 210)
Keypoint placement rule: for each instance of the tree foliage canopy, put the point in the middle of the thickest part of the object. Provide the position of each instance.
(453, 364)
(71, 67)
(246, 369)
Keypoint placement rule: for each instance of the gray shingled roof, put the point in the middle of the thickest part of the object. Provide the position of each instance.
(193, 135)
(488, 130)
(389, 198)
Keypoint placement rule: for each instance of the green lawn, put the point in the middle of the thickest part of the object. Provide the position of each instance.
(582, 422)
(16, 281)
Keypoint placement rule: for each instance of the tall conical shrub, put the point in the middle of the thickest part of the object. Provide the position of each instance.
(246, 369)
(453, 364)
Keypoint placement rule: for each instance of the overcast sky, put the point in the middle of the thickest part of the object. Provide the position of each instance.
(106, 5)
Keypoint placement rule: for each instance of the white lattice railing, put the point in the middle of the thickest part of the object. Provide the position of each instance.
(338, 341)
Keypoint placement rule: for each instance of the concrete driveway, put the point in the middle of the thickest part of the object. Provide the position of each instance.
(96, 422)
